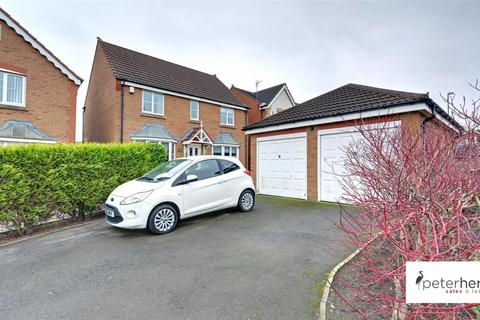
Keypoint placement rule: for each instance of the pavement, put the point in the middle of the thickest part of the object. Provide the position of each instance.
(264, 264)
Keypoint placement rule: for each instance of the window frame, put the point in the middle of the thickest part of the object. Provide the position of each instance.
(227, 110)
(154, 94)
(4, 93)
(197, 103)
(172, 145)
(225, 147)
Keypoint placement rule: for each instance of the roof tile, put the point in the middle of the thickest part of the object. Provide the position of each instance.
(146, 70)
(349, 98)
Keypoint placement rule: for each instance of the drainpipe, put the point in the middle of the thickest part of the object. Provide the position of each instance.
(424, 127)
(121, 110)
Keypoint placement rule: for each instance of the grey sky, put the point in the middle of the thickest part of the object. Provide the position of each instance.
(312, 46)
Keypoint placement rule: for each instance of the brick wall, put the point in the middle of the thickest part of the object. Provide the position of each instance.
(50, 95)
(254, 113)
(177, 119)
(102, 103)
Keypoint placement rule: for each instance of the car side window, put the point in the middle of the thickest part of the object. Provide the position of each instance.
(229, 166)
(205, 169)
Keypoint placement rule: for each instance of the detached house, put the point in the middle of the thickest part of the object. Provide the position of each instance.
(136, 97)
(38, 92)
(266, 102)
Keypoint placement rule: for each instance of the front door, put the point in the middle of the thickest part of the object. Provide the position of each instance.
(193, 150)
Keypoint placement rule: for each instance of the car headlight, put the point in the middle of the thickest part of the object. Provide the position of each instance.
(137, 197)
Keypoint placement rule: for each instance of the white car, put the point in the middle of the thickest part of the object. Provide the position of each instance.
(179, 189)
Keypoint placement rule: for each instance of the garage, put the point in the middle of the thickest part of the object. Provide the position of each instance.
(299, 152)
(282, 165)
(331, 160)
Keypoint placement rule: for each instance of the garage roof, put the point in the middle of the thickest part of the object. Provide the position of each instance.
(350, 98)
(146, 70)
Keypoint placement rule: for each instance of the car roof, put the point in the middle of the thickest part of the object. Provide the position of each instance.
(206, 157)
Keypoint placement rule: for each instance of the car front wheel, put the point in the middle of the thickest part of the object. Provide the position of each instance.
(246, 200)
(162, 220)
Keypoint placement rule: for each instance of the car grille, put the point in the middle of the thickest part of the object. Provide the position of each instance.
(118, 217)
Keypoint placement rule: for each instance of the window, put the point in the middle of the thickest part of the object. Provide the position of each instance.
(229, 166)
(205, 169)
(12, 89)
(228, 151)
(168, 145)
(226, 116)
(152, 103)
(194, 110)
(217, 150)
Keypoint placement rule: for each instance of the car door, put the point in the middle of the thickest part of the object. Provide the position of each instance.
(207, 193)
(231, 177)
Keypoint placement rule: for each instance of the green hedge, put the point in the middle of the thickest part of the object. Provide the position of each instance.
(37, 180)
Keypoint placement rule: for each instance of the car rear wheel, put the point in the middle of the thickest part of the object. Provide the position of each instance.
(162, 220)
(246, 201)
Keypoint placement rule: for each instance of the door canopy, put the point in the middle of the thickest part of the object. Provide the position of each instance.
(196, 136)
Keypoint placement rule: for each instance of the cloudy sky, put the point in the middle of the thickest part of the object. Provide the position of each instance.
(312, 46)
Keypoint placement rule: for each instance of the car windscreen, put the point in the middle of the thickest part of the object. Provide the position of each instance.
(166, 170)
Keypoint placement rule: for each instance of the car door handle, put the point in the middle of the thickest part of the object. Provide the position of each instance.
(221, 181)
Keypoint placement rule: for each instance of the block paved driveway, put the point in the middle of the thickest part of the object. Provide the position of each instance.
(228, 265)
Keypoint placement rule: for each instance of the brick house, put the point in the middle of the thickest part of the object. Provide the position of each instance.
(38, 92)
(293, 152)
(136, 97)
(265, 102)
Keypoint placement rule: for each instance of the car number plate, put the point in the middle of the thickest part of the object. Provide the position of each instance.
(110, 213)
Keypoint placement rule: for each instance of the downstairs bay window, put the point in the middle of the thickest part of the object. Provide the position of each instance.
(168, 145)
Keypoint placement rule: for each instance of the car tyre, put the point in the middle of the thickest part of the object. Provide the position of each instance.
(246, 201)
(163, 219)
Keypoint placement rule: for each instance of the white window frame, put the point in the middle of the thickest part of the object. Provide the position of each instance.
(193, 103)
(227, 147)
(154, 94)
(171, 145)
(228, 110)
(5, 89)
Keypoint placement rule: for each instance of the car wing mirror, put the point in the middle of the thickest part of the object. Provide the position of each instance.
(191, 178)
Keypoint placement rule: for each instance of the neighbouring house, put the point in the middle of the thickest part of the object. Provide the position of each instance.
(266, 102)
(136, 97)
(293, 152)
(38, 92)
(263, 104)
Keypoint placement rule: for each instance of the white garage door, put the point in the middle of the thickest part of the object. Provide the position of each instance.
(282, 166)
(331, 163)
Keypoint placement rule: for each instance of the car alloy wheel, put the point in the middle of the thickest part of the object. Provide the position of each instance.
(164, 220)
(247, 200)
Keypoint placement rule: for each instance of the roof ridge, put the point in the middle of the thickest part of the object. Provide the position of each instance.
(384, 90)
(277, 85)
(153, 57)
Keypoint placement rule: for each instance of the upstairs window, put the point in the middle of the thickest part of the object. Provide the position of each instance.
(152, 102)
(12, 89)
(227, 116)
(194, 110)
